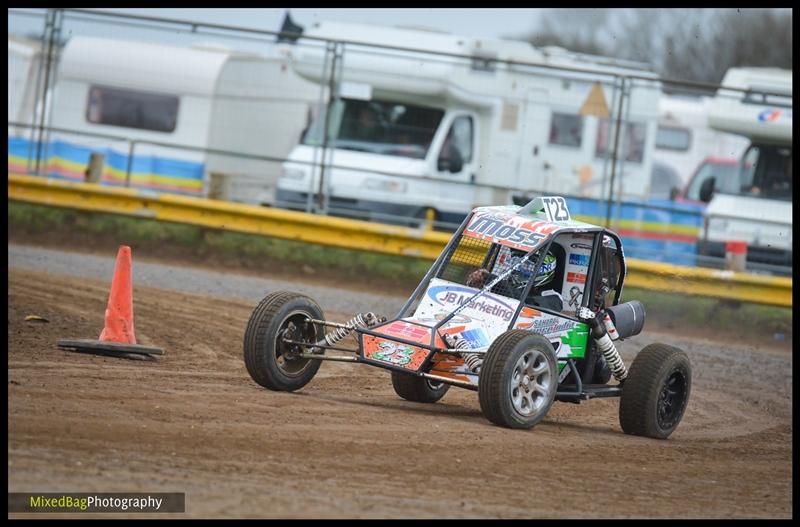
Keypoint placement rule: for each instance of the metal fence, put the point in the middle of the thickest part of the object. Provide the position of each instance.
(393, 126)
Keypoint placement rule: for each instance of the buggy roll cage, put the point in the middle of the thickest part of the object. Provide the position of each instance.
(436, 267)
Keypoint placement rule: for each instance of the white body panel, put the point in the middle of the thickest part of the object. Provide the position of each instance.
(692, 114)
(761, 222)
(227, 101)
(512, 109)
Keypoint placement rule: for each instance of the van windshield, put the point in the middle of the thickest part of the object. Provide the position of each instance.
(766, 172)
(377, 127)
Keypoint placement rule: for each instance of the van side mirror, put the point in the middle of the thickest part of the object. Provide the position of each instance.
(707, 189)
(450, 160)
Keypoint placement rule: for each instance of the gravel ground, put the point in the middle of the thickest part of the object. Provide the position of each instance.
(346, 445)
(204, 282)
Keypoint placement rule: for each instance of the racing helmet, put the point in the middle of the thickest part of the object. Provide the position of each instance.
(546, 271)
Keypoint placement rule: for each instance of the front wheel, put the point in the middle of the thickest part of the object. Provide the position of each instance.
(655, 394)
(418, 389)
(271, 362)
(518, 379)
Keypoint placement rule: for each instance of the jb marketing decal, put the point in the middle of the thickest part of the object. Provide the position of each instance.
(453, 297)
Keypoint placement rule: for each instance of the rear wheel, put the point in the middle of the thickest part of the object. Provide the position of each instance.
(418, 389)
(518, 379)
(270, 361)
(656, 392)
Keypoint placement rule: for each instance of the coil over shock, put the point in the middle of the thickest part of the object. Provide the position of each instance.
(473, 360)
(362, 320)
(604, 342)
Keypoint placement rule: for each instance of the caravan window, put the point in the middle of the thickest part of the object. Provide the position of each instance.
(377, 127)
(673, 138)
(132, 109)
(566, 129)
(631, 139)
(460, 137)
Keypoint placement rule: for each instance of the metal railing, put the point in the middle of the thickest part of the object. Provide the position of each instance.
(625, 84)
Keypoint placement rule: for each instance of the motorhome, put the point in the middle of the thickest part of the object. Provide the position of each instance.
(410, 132)
(684, 138)
(115, 97)
(24, 61)
(759, 211)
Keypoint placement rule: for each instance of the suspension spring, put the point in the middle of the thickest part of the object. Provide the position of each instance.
(362, 320)
(473, 360)
(610, 353)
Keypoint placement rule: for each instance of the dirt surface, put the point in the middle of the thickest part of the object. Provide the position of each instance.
(346, 445)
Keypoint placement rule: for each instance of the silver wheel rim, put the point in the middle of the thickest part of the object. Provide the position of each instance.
(434, 385)
(531, 383)
(295, 367)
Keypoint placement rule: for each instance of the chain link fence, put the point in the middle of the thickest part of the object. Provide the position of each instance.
(403, 126)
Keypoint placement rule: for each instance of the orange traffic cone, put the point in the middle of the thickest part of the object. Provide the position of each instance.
(118, 336)
(119, 313)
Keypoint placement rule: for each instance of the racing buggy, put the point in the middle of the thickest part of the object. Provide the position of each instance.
(522, 306)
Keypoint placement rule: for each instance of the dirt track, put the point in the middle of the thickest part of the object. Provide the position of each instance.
(346, 445)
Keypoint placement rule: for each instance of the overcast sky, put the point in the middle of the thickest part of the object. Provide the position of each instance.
(484, 22)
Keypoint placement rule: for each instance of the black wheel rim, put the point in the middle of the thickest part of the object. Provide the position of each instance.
(294, 327)
(671, 400)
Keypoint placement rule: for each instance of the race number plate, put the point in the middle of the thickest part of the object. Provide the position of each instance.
(555, 208)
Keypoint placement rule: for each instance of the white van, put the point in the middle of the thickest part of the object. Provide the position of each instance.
(204, 97)
(684, 138)
(760, 213)
(412, 132)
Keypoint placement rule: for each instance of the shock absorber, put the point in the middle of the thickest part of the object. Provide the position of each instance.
(604, 343)
(362, 320)
(473, 360)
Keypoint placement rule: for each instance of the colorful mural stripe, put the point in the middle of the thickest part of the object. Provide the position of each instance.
(69, 161)
(666, 234)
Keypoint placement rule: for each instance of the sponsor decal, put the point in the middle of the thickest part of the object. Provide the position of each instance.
(769, 116)
(578, 278)
(406, 331)
(494, 227)
(476, 338)
(458, 296)
(550, 325)
(575, 296)
(583, 246)
(579, 259)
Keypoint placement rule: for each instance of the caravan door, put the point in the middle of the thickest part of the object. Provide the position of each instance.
(456, 163)
(537, 171)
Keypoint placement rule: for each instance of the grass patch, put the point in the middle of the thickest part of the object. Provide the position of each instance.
(736, 318)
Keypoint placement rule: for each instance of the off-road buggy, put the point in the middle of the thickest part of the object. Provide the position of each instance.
(480, 319)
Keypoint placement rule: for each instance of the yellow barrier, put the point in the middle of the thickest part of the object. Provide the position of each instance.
(360, 235)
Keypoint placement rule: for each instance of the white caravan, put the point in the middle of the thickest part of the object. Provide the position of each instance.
(24, 59)
(205, 97)
(685, 139)
(413, 132)
(761, 212)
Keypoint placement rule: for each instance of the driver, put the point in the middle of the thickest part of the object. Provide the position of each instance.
(541, 294)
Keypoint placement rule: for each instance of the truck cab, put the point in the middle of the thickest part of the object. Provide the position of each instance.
(758, 210)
